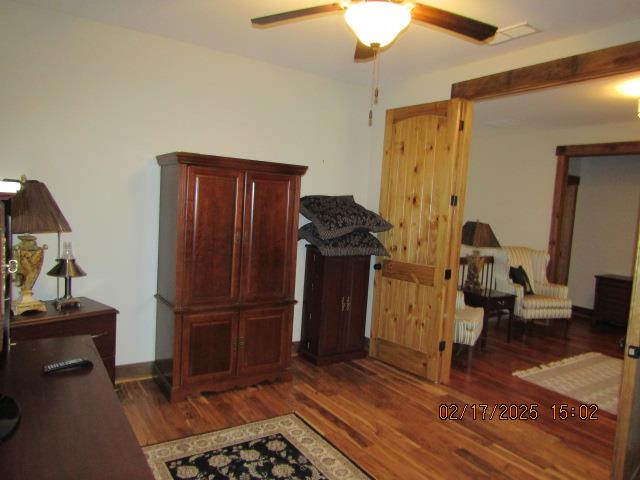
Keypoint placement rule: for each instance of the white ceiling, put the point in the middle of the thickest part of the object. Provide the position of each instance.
(324, 45)
(579, 104)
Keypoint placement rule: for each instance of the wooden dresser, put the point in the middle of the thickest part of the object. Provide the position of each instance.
(334, 310)
(91, 318)
(226, 272)
(612, 299)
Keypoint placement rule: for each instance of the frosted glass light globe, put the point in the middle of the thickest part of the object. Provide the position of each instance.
(378, 22)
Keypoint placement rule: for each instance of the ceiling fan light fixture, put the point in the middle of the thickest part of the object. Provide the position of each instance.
(378, 22)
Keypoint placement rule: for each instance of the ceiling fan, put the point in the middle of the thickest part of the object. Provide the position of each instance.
(377, 23)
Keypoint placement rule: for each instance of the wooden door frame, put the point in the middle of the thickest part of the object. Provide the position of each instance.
(578, 68)
(564, 154)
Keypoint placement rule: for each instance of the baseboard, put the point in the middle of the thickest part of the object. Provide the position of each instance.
(133, 372)
(582, 312)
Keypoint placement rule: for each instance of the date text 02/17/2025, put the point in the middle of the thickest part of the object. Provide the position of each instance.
(516, 411)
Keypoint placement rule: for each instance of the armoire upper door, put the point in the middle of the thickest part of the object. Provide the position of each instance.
(422, 194)
(269, 236)
(213, 232)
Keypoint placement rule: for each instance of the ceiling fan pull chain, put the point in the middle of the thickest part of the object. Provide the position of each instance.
(374, 84)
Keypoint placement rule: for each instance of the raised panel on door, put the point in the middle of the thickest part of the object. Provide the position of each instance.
(213, 232)
(356, 317)
(424, 166)
(209, 344)
(269, 237)
(264, 339)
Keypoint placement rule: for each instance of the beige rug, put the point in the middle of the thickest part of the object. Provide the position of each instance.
(590, 378)
(284, 447)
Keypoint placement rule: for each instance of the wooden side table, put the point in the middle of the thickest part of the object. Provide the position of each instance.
(91, 318)
(493, 302)
(612, 299)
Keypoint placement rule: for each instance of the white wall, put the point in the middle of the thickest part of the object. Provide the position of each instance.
(87, 106)
(512, 176)
(606, 223)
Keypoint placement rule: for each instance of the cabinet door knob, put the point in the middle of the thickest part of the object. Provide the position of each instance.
(349, 303)
(342, 304)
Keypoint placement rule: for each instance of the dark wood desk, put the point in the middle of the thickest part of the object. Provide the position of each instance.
(72, 426)
(494, 302)
(91, 318)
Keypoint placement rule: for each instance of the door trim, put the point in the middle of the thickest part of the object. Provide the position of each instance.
(564, 153)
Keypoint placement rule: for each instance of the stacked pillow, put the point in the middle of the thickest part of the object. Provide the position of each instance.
(341, 227)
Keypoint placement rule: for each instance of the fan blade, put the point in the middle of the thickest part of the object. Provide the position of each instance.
(454, 22)
(279, 17)
(363, 52)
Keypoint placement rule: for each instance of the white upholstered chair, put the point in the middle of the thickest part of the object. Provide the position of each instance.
(467, 325)
(549, 302)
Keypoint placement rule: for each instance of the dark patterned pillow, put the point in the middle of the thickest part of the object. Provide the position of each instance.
(519, 276)
(358, 242)
(335, 216)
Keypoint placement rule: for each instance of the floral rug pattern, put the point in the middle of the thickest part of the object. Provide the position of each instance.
(280, 448)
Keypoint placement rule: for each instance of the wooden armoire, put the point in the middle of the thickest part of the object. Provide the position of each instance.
(334, 309)
(226, 272)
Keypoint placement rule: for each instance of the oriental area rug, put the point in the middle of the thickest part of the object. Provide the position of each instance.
(284, 447)
(591, 378)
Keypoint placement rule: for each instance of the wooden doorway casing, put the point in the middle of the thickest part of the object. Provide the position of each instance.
(564, 154)
(587, 66)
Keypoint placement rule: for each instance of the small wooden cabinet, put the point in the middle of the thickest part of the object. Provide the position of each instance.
(226, 272)
(612, 299)
(91, 318)
(335, 307)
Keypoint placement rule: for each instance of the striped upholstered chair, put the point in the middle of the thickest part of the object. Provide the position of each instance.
(467, 325)
(549, 302)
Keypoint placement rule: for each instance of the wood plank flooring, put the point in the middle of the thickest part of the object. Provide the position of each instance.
(388, 421)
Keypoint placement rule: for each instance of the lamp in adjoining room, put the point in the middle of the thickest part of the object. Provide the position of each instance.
(67, 268)
(33, 210)
(480, 235)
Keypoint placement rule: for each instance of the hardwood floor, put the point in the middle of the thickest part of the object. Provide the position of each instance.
(388, 421)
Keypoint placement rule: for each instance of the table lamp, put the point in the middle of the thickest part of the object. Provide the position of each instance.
(476, 234)
(67, 268)
(33, 210)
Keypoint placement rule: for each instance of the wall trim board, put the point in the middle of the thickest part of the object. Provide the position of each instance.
(599, 149)
(610, 61)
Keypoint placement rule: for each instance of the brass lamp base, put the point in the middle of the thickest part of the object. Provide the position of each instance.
(26, 303)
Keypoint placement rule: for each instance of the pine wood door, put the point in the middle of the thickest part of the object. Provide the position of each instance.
(422, 194)
(269, 236)
(212, 236)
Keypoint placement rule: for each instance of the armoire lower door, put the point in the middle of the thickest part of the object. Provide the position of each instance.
(264, 339)
(209, 345)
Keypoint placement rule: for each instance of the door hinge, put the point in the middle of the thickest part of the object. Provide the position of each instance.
(447, 274)
(633, 351)
(441, 346)
(454, 200)
(461, 125)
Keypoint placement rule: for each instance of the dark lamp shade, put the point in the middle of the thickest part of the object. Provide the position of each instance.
(477, 234)
(66, 268)
(33, 210)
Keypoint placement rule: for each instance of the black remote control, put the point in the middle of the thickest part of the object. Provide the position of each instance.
(67, 364)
